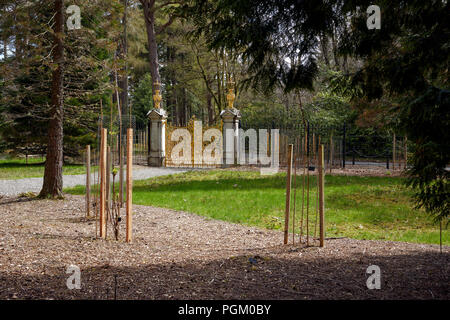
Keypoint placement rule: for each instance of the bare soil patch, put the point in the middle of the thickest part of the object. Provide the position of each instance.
(177, 255)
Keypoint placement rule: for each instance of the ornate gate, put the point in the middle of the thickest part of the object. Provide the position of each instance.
(185, 154)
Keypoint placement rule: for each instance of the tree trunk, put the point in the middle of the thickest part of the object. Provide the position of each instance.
(171, 84)
(182, 114)
(210, 108)
(5, 40)
(335, 50)
(53, 183)
(172, 102)
(149, 17)
(19, 37)
(324, 46)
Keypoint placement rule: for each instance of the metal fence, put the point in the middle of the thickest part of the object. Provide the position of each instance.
(345, 150)
(342, 149)
(117, 128)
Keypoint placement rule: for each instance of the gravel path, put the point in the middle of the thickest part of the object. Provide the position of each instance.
(178, 255)
(16, 187)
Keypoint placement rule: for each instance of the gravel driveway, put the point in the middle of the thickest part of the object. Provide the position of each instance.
(16, 187)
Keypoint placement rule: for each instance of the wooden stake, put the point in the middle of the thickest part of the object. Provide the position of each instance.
(108, 176)
(288, 193)
(321, 196)
(295, 194)
(88, 181)
(121, 170)
(129, 185)
(96, 198)
(317, 190)
(103, 183)
(108, 186)
(307, 202)
(109, 162)
(303, 186)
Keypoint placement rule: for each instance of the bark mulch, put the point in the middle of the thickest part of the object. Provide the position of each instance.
(177, 255)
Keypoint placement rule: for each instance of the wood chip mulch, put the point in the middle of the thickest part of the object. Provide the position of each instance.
(177, 255)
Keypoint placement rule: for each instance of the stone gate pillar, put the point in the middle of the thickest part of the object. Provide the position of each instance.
(157, 132)
(230, 117)
(157, 148)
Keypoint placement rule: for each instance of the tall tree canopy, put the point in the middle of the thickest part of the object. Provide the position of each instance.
(278, 38)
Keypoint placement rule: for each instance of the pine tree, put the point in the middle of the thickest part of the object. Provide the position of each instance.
(407, 63)
(26, 87)
(53, 183)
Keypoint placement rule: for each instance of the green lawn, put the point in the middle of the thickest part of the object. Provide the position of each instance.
(356, 207)
(18, 169)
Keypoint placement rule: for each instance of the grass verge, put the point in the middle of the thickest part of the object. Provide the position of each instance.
(18, 169)
(356, 207)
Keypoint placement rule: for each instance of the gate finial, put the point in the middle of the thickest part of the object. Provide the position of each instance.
(230, 96)
(157, 96)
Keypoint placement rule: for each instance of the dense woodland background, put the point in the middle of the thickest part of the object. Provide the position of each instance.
(193, 76)
(290, 61)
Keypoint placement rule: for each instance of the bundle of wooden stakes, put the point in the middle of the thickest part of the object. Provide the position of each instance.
(107, 206)
(301, 149)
